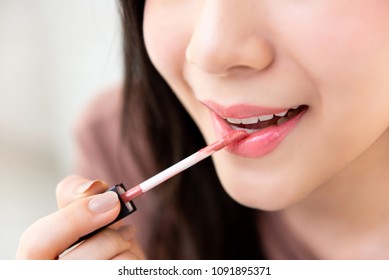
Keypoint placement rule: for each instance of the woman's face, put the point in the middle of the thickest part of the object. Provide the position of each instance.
(308, 79)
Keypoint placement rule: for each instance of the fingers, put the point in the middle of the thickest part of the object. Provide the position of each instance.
(127, 255)
(51, 235)
(103, 246)
(108, 244)
(75, 187)
(84, 207)
(136, 251)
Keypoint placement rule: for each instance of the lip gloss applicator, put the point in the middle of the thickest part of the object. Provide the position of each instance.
(182, 165)
(126, 197)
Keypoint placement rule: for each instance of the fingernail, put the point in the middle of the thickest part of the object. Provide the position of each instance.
(87, 185)
(103, 202)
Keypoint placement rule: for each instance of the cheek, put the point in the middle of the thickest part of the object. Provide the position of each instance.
(344, 51)
(339, 44)
(165, 35)
(167, 32)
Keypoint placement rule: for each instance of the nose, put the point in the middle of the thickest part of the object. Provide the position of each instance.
(228, 36)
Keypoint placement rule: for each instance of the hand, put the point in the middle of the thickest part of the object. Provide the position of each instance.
(83, 208)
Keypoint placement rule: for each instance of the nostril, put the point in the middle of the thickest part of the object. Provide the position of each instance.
(208, 59)
(242, 58)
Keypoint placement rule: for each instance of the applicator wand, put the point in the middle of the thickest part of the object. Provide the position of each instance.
(126, 197)
(182, 165)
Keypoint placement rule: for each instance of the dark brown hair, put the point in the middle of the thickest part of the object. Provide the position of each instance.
(198, 220)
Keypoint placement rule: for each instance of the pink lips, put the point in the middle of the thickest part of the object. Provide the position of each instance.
(257, 143)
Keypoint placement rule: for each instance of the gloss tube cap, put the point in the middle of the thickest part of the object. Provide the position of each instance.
(126, 209)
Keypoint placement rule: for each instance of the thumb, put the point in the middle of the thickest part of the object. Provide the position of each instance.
(53, 234)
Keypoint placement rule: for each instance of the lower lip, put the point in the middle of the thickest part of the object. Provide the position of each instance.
(258, 143)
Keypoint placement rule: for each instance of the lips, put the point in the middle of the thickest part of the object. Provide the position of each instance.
(267, 126)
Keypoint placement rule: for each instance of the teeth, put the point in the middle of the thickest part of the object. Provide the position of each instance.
(282, 114)
(234, 121)
(250, 120)
(291, 114)
(245, 129)
(281, 120)
(283, 117)
(265, 118)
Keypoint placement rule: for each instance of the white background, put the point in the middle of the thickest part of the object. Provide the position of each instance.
(54, 55)
(225, 270)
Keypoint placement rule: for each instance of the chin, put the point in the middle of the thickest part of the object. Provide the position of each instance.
(262, 198)
(254, 189)
(266, 198)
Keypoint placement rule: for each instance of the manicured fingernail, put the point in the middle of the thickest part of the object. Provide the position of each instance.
(103, 202)
(87, 185)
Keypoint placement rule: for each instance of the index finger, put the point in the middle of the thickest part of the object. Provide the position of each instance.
(74, 187)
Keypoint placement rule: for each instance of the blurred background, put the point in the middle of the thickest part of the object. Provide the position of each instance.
(54, 56)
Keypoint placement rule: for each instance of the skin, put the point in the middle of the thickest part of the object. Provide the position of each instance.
(76, 217)
(328, 178)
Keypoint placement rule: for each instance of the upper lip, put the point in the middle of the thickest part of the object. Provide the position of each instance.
(243, 111)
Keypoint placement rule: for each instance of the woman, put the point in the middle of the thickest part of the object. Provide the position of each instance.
(307, 79)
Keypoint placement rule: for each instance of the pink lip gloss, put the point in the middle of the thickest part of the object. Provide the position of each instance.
(261, 141)
(126, 197)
